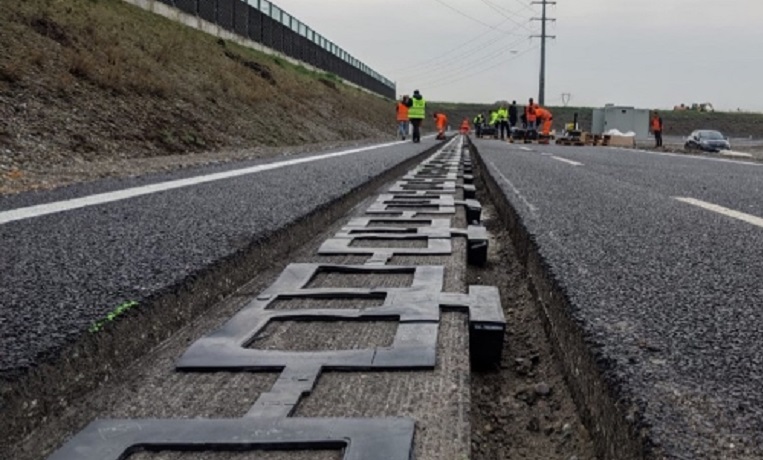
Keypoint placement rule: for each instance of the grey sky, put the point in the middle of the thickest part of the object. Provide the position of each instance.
(648, 53)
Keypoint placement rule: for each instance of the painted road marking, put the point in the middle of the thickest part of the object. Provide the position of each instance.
(693, 157)
(516, 191)
(526, 149)
(573, 163)
(749, 218)
(101, 198)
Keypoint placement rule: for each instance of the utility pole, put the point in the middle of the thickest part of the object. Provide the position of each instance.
(543, 36)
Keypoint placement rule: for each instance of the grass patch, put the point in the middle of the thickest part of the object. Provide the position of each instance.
(115, 314)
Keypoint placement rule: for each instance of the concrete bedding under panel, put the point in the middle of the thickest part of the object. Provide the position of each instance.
(373, 243)
(360, 280)
(438, 401)
(251, 455)
(325, 335)
(304, 303)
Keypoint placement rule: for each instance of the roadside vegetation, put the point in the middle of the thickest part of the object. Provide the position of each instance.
(85, 81)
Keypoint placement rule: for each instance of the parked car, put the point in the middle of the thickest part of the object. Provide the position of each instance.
(707, 140)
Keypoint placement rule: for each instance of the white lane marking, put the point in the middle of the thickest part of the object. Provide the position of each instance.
(526, 149)
(516, 191)
(749, 218)
(573, 163)
(735, 154)
(693, 157)
(101, 198)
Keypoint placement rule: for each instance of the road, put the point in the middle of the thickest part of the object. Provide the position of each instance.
(70, 256)
(661, 258)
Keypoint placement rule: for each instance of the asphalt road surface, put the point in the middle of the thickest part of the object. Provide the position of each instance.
(66, 264)
(661, 256)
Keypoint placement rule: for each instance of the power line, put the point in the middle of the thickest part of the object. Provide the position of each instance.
(484, 69)
(477, 52)
(505, 13)
(467, 65)
(472, 18)
(426, 61)
(525, 6)
(425, 64)
(543, 19)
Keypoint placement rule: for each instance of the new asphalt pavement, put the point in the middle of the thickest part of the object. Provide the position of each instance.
(70, 256)
(661, 258)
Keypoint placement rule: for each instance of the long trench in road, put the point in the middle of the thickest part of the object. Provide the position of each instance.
(372, 341)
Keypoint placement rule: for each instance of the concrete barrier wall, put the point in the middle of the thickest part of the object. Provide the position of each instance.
(261, 25)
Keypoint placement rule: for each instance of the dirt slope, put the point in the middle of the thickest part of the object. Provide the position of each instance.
(84, 82)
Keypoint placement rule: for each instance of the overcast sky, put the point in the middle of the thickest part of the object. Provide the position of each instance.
(647, 53)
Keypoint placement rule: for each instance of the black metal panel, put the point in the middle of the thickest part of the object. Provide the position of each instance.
(208, 10)
(244, 20)
(188, 6)
(288, 42)
(255, 25)
(362, 439)
(311, 53)
(237, 16)
(267, 31)
(298, 46)
(277, 38)
(241, 18)
(225, 14)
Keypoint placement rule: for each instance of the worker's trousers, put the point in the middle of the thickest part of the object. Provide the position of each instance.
(402, 128)
(416, 122)
(658, 138)
(504, 128)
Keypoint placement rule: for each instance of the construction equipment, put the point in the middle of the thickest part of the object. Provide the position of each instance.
(695, 107)
(703, 107)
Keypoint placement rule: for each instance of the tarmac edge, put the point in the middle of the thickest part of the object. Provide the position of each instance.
(613, 420)
(42, 392)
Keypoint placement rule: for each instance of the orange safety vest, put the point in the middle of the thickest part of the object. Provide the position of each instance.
(402, 112)
(442, 120)
(656, 125)
(530, 112)
(543, 114)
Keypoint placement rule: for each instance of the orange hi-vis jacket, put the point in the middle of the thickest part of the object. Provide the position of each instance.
(402, 112)
(465, 126)
(530, 113)
(441, 121)
(542, 114)
(656, 124)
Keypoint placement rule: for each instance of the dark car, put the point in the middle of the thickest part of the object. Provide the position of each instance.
(707, 140)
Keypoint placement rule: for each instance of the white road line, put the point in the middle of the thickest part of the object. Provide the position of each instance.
(573, 163)
(749, 218)
(526, 149)
(692, 157)
(516, 191)
(101, 198)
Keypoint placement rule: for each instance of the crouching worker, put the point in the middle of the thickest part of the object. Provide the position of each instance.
(441, 121)
(545, 117)
(465, 126)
